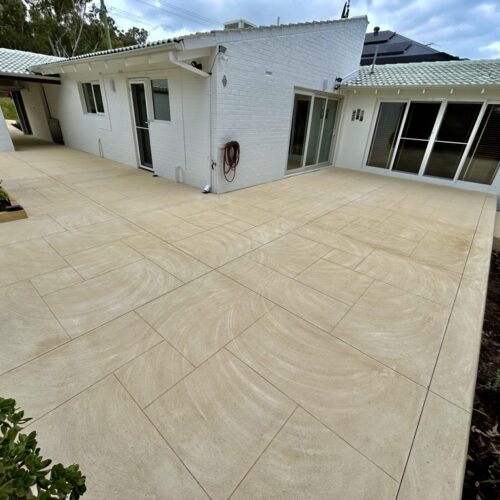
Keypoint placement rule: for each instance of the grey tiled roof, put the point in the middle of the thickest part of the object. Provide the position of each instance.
(428, 74)
(17, 62)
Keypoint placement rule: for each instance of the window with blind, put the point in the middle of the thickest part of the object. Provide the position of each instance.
(389, 119)
(483, 159)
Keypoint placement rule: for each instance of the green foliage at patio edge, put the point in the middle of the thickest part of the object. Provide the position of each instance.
(24, 474)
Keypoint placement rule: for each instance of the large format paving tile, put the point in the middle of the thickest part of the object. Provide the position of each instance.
(316, 307)
(219, 419)
(98, 260)
(443, 250)
(87, 305)
(399, 329)
(28, 229)
(456, 369)
(176, 262)
(343, 258)
(216, 247)
(90, 214)
(426, 281)
(56, 280)
(379, 239)
(117, 448)
(49, 380)
(272, 230)
(334, 240)
(307, 460)
(290, 254)
(336, 281)
(437, 460)
(27, 327)
(246, 213)
(372, 407)
(209, 219)
(204, 315)
(27, 259)
(86, 237)
(152, 373)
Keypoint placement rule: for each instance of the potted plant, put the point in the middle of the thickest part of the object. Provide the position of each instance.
(24, 474)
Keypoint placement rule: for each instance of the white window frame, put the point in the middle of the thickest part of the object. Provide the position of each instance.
(84, 102)
(420, 175)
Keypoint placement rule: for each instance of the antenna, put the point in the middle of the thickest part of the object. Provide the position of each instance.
(345, 10)
(278, 21)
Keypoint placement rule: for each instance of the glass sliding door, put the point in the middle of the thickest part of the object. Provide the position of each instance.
(452, 138)
(416, 135)
(315, 130)
(389, 119)
(328, 131)
(483, 160)
(298, 133)
(312, 131)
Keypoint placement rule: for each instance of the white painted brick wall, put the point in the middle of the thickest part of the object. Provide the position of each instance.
(6, 145)
(256, 109)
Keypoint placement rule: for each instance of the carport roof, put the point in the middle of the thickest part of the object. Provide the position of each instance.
(430, 74)
(17, 62)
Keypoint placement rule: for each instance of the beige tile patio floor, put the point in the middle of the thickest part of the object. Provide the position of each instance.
(315, 337)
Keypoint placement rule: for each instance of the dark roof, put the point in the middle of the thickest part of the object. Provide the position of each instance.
(395, 48)
(430, 74)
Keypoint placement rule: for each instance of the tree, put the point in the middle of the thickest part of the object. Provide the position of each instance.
(63, 28)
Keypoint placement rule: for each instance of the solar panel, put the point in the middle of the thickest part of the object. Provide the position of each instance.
(386, 49)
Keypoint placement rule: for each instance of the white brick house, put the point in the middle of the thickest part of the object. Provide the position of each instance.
(245, 94)
(293, 96)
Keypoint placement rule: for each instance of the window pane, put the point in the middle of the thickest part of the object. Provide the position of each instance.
(161, 100)
(144, 147)
(420, 120)
(386, 133)
(140, 109)
(458, 122)
(315, 130)
(326, 140)
(483, 160)
(444, 159)
(98, 98)
(410, 155)
(298, 133)
(89, 97)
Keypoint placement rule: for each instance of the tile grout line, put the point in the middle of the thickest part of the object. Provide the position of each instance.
(160, 434)
(263, 451)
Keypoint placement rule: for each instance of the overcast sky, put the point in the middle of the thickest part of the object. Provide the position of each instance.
(465, 28)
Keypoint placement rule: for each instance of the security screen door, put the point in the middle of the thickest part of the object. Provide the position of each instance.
(141, 122)
(312, 132)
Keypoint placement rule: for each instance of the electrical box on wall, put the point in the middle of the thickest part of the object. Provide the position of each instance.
(357, 114)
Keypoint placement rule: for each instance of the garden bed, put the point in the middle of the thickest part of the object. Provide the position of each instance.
(482, 476)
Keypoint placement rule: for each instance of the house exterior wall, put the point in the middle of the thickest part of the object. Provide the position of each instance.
(355, 137)
(255, 107)
(6, 145)
(180, 148)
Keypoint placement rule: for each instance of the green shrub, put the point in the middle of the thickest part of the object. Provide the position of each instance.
(24, 474)
(8, 108)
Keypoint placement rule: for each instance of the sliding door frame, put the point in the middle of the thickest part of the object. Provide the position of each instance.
(494, 187)
(338, 112)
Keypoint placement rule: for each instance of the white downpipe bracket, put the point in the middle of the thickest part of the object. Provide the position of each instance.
(173, 59)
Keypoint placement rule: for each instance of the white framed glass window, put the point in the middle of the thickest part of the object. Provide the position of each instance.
(161, 99)
(92, 97)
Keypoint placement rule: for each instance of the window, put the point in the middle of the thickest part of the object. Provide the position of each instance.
(92, 97)
(161, 100)
(386, 131)
(483, 160)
